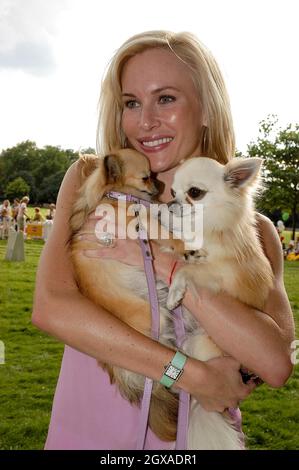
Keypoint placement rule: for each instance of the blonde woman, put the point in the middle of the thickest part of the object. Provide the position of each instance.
(164, 96)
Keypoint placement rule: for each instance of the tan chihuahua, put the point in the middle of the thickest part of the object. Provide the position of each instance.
(119, 288)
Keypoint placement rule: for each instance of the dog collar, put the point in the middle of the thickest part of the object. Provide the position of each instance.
(127, 197)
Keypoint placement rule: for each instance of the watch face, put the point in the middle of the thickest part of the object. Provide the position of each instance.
(172, 372)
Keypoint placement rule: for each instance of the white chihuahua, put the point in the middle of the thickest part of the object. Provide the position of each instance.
(229, 259)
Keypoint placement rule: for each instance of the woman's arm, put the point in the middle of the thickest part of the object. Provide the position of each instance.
(62, 311)
(259, 340)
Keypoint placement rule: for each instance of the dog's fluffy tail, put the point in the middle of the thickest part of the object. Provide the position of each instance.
(209, 430)
(163, 413)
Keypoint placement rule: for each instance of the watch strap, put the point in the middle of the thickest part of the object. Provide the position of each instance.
(166, 381)
(178, 361)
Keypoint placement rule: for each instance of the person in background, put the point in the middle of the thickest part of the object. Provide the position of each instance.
(38, 217)
(280, 227)
(5, 209)
(51, 212)
(14, 212)
(5, 216)
(22, 214)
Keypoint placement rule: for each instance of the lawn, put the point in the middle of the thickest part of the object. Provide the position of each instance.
(32, 361)
(287, 234)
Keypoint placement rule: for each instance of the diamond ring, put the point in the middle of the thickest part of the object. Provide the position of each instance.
(106, 239)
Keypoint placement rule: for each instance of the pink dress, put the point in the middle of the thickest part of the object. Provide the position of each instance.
(90, 414)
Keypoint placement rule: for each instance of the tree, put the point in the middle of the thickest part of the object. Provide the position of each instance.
(279, 149)
(34, 165)
(14, 160)
(17, 188)
(48, 190)
(89, 150)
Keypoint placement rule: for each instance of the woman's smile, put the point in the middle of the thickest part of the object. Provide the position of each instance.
(155, 143)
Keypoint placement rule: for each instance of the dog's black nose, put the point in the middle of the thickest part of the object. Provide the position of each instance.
(155, 189)
(173, 206)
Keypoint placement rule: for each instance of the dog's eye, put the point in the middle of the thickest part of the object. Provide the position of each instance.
(172, 192)
(195, 193)
(145, 179)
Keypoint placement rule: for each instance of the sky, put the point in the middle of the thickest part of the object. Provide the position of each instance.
(53, 54)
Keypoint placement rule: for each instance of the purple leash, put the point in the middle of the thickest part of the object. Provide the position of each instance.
(184, 400)
(184, 404)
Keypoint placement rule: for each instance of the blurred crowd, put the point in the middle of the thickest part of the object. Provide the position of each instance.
(16, 216)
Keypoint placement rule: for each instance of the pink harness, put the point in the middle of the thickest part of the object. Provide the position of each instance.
(184, 397)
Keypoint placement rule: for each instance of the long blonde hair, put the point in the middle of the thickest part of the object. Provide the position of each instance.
(217, 136)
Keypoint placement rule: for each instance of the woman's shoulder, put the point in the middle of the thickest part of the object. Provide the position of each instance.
(72, 176)
(271, 242)
(69, 186)
(65, 200)
(264, 223)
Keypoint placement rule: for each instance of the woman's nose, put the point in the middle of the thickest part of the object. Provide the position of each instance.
(148, 119)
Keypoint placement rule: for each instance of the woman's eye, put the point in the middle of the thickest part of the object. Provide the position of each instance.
(166, 99)
(131, 104)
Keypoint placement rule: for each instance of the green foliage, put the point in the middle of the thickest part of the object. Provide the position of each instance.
(17, 189)
(35, 166)
(279, 149)
(49, 187)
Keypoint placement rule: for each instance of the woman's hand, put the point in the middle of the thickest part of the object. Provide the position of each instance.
(217, 385)
(125, 250)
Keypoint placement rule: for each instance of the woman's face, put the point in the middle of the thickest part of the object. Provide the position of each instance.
(162, 116)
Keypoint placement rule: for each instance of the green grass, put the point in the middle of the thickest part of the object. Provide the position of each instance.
(288, 235)
(32, 359)
(32, 362)
(271, 416)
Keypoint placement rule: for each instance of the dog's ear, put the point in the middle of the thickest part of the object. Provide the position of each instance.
(113, 168)
(87, 164)
(242, 172)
